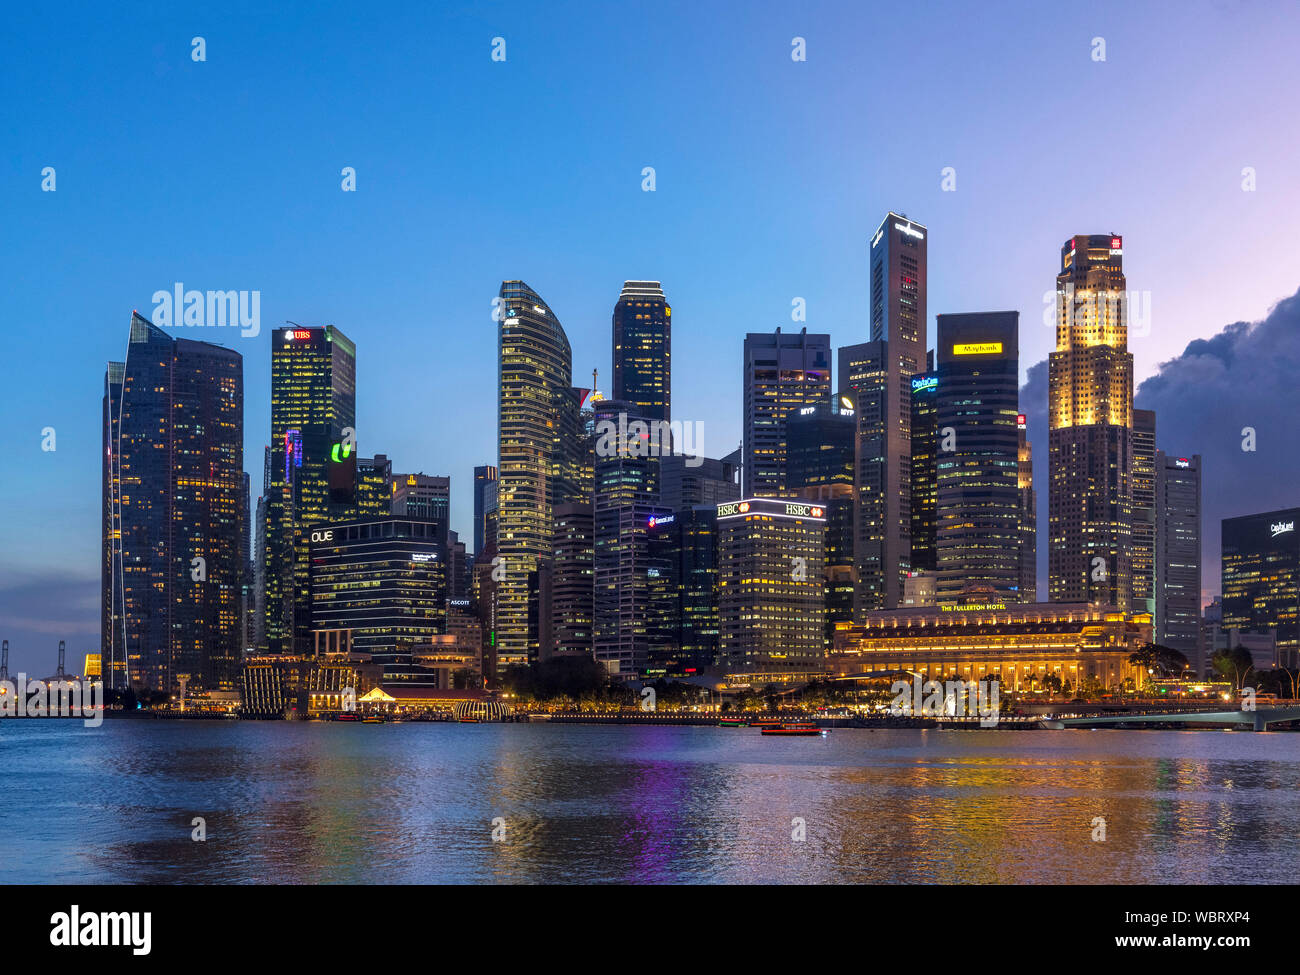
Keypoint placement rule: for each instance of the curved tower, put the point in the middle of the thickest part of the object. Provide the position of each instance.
(538, 436)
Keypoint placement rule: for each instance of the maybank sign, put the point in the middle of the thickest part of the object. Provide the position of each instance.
(977, 348)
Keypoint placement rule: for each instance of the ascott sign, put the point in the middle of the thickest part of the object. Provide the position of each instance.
(977, 348)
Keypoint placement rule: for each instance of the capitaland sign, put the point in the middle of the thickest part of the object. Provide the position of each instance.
(1281, 527)
(977, 348)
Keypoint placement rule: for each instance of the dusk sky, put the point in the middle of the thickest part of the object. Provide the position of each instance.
(770, 175)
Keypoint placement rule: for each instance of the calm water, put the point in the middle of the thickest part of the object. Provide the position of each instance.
(409, 803)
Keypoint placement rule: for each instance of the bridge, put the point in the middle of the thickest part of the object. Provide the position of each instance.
(1257, 720)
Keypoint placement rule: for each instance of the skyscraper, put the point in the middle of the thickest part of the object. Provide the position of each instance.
(1261, 577)
(1178, 553)
(1142, 559)
(484, 475)
(1028, 515)
(626, 499)
(573, 578)
(877, 377)
(422, 495)
(313, 412)
(783, 373)
(539, 436)
(174, 428)
(111, 648)
(643, 344)
(925, 442)
(1090, 414)
(977, 538)
(770, 587)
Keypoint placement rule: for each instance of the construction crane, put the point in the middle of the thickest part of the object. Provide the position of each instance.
(62, 653)
(4, 660)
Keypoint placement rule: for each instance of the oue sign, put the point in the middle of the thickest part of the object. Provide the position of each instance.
(323, 536)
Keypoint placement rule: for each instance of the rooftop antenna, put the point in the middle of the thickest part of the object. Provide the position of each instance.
(595, 384)
(62, 654)
(4, 660)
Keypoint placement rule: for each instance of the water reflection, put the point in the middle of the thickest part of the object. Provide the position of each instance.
(331, 803)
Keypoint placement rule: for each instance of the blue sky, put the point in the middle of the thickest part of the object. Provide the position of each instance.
(770, 177)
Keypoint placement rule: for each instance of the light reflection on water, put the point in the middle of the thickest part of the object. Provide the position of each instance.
(414, 803)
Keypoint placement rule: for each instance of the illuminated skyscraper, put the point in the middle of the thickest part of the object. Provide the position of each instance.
(174, 457)
(1090, 413)
(1028, 516)
(783, 373)
(977, 537)
(313, 469)
(539, 435)
(112, 650)
(770, 587)
(925, 441)
(626, 499)
(877, 377)
(1143, 545)
(573, 578)
(643, 344)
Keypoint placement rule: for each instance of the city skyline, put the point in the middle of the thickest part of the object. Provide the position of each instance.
(51, 538)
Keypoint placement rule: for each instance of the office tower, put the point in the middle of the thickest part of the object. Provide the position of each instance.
(643, 344)
(977, 538)
(882, 542)
(1090, 414)
(820, 444)
(1178, 553)
(898, 291)
(1028, 515)
(484, 476)
(1142, 557)
(248, 597)
(711, 481)
(112, 649)
(783, 373)
(683, 575)
(422, 496)
(573, 552)
(313, 414)
(770, 588)
(539, 441)
(626, 498)
(925, 444)
(1261, 577)
(383, 578)
(458, 568)
(174, 427)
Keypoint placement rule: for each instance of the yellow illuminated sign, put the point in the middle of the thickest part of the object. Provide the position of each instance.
(977, 348)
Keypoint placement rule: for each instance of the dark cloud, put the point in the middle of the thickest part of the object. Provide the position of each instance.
(37, 611)
(1245, 376)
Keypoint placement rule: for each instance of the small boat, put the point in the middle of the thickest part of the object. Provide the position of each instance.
(372, 719)
(766, 723)
(346, 716)
(468, 720)
(732, 723)
(795, 728)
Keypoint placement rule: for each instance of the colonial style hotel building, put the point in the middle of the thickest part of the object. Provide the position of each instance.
(1015, 644)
